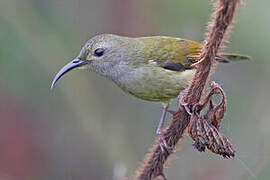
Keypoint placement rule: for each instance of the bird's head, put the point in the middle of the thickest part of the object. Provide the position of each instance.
(100, 54)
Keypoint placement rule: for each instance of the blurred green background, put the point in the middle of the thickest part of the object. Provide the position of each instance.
(87, 128)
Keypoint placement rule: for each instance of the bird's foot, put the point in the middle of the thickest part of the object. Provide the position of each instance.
(183, 103)
(162, 142)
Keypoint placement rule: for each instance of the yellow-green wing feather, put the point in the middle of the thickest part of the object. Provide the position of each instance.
(176, 50)
(179, 51)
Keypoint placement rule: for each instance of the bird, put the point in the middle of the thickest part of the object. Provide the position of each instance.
(154, 68)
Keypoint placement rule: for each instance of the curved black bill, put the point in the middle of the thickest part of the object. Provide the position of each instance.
(71, 65)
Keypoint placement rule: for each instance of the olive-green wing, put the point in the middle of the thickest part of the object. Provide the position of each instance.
(171, 53)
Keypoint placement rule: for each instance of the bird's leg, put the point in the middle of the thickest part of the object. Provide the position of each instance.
(160, 132)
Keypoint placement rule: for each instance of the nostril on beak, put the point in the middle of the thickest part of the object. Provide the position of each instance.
(76, 61)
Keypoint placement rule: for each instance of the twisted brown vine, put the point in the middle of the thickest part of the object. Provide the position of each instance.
(203, 128)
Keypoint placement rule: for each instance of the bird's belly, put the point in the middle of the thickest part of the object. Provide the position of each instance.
(156, 84)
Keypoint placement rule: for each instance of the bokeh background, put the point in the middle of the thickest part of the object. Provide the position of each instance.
(87, 128)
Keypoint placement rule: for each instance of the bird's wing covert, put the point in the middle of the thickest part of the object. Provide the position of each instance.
(171, 53)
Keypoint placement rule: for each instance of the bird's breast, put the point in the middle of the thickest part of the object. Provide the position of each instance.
(153, 83)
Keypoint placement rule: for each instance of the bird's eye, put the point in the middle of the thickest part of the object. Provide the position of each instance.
(99, 52)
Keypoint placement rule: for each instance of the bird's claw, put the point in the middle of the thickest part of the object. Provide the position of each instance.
(162, 142)
(184, 104)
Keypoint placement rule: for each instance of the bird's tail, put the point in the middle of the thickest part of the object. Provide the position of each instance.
(231, 57)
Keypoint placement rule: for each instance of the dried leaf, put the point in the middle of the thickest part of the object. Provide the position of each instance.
(204, 129)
